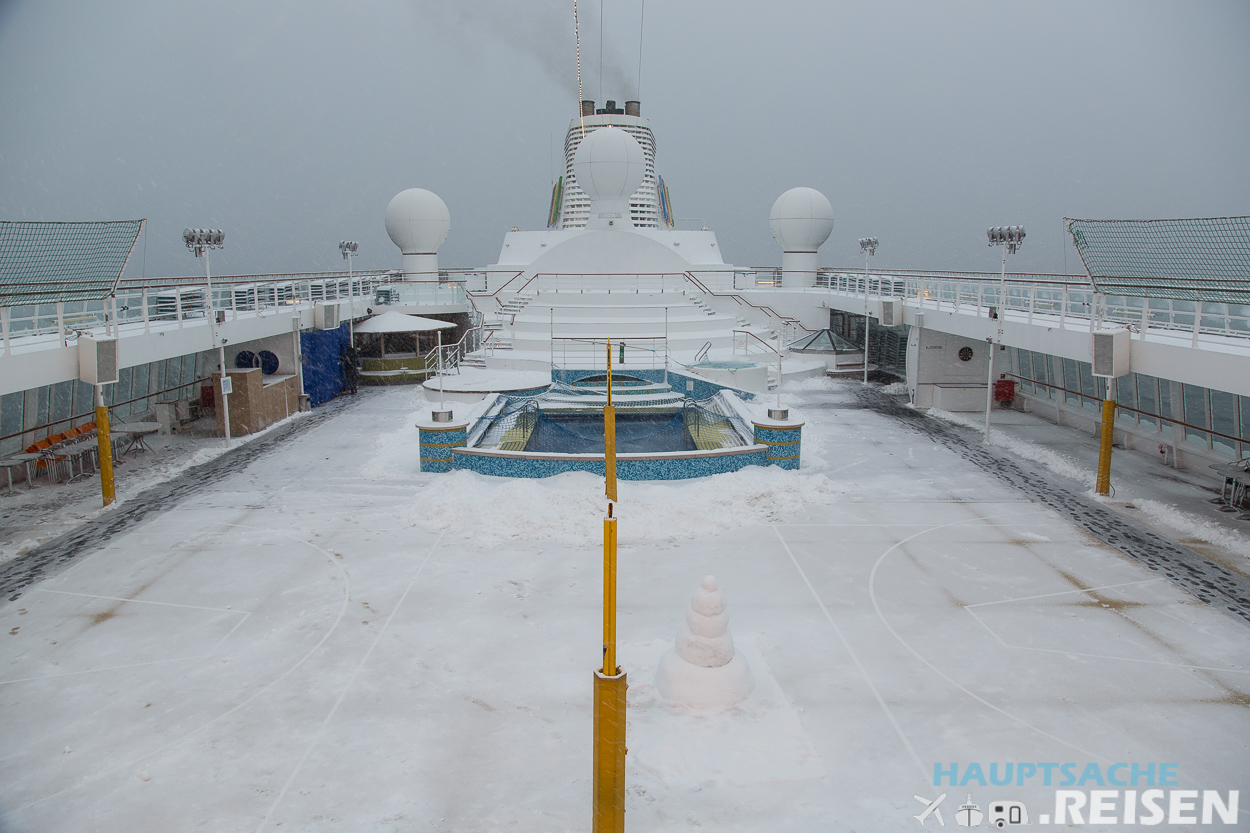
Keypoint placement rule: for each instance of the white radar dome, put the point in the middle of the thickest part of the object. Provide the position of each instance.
(609, 165)
(418, 221)
(801, 220)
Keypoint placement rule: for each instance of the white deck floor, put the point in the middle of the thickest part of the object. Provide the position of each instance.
(329, 640)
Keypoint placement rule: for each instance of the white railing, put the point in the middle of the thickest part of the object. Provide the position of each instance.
(749, 344)
(609, 284)
(590, 354)
(1050, 298)
(452, 355)
(177, 300)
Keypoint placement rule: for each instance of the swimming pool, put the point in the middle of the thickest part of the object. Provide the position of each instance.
(660, 435)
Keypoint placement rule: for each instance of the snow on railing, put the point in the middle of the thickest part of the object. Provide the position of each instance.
(1052, 298)
(185, 299)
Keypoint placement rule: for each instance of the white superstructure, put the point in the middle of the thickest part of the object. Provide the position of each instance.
(644, 205)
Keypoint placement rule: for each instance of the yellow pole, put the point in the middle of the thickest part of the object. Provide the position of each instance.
(104, 447)
(609, 439)
(609, 595)
(610, 687)
(1103, 484)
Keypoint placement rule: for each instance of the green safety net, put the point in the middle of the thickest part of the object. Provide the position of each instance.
(43, 263)
(1190, 260)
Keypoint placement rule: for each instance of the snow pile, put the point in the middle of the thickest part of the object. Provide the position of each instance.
(398, 452)
(895, 389)
(1051, 460)
(569, 508)
(808, 383)
(1193, 526)
(702, 670)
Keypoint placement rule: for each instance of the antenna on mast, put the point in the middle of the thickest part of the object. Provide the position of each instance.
(642, 16)
(577, 38)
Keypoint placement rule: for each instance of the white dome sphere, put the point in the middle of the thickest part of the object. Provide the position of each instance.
(801, 220)
(417, 221)
(609, 165)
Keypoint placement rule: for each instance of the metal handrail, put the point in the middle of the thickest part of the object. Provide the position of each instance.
(742, 301)
(757, 338)
(1121, 407)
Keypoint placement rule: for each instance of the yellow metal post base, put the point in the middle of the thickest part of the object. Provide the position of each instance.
(104, 448)
(609, 763)
(1102, 485)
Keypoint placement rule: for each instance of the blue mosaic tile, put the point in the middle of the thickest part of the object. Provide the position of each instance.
(666, 468)
(699, 389)
(784, 445)
(436, 446)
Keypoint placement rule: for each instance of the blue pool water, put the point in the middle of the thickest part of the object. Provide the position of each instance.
(635, 433)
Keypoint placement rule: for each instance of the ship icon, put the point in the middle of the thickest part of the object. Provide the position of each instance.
(969, 814)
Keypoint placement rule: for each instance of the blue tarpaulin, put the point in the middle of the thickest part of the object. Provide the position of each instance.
(323, 370)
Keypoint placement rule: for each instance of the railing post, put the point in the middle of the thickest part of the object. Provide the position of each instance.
(1032, 300)
(1197, 322)
(4, 328)
(147, 318)
(1063, 307)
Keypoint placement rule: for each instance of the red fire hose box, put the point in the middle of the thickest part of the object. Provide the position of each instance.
(1005, 390)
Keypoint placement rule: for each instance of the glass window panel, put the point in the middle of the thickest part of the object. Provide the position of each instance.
(1089, 389)
(157, 379)
(1124, 393)
(139, 387)
(41, 409)
(121, 393)
(1224, 420)
(1071, 382)
(1243, 408)
(1124, 396)
(1165, 406)
(1024, 361)
(11, 405)
(84, 399)
(1039, 368)
(62, 405)
(1194, 399)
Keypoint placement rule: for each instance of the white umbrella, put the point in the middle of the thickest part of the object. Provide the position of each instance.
(397, 322)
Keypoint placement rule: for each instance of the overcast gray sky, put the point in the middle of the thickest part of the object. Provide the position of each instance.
(292, 124)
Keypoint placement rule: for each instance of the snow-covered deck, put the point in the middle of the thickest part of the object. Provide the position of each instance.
(329, 639)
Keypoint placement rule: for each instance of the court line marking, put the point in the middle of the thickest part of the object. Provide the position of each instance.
(854, 657)
(350, 682)
(244, 613)
(140, 601)
(263, 689)
(872, 594)
(1006, 644)
(1066, 592)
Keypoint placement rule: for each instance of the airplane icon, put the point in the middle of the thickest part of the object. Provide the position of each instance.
(930, 807)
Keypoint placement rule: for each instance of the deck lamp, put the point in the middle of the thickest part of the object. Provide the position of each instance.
(199, 241)
(867, 245)
(1010, 238)
(348, 248)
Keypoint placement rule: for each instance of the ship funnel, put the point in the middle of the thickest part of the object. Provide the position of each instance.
(633, 108)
